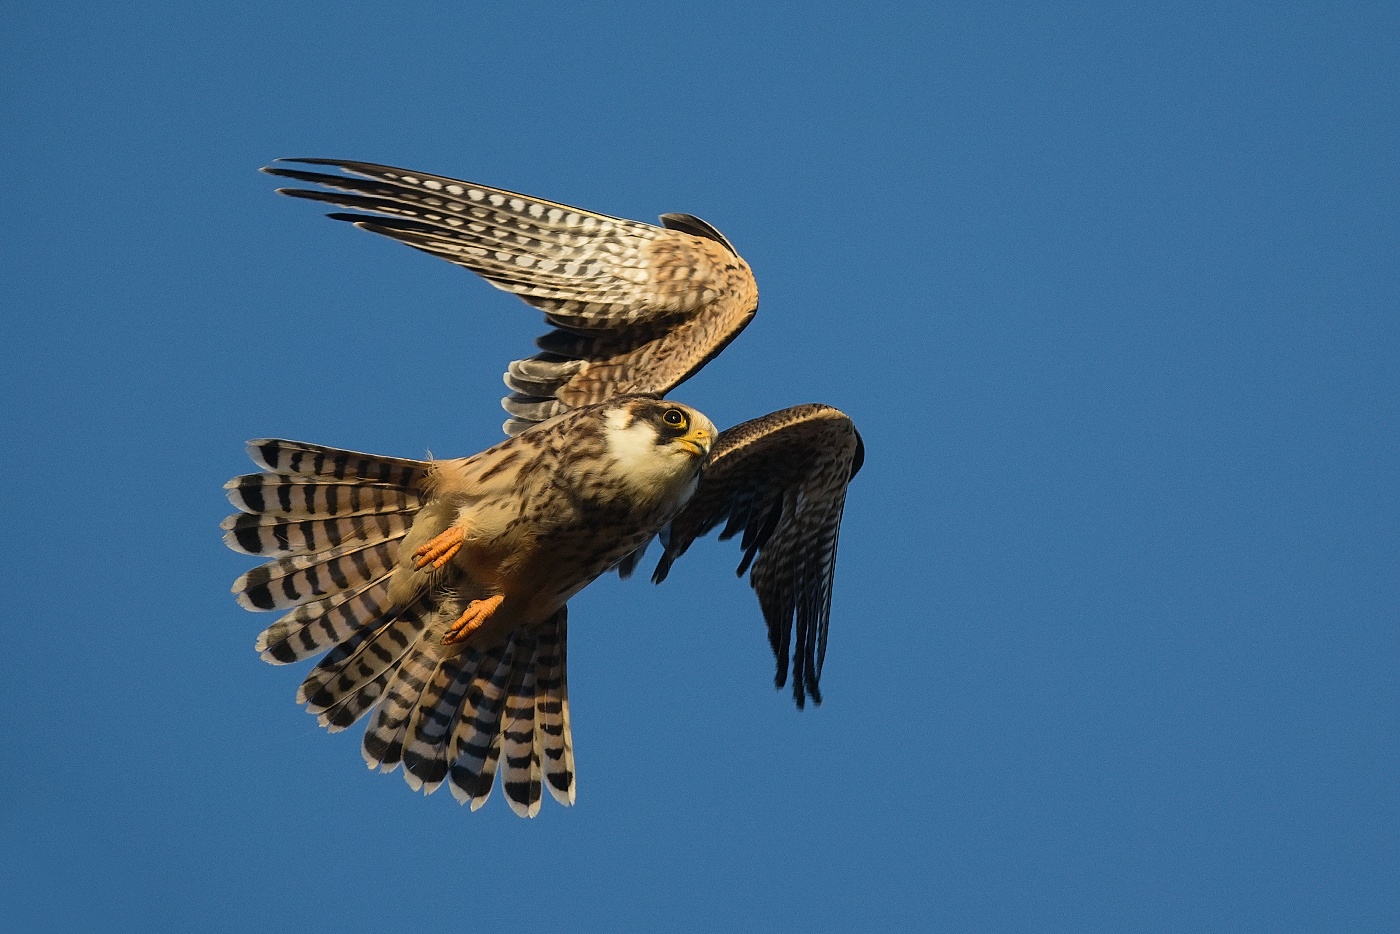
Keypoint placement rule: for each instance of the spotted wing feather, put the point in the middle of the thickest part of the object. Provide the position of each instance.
(780, 483)
(634, 307)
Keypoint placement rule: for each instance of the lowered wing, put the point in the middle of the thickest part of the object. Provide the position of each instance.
(780, 480)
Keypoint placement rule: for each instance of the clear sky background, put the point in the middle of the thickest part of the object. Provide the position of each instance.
(1111, 293)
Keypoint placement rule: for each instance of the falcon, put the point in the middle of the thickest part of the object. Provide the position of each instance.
(438, 589)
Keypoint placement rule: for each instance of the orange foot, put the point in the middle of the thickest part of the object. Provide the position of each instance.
(477, 613)
(440, 550)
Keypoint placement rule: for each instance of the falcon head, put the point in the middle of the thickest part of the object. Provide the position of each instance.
(658, 444)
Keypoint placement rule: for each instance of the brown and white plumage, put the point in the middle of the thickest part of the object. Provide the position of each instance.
(541, 515)
(635, 308)
(438, 589)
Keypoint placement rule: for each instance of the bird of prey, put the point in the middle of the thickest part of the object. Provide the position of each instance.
(438, 589)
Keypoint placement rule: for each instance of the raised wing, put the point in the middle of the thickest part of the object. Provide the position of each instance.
(780, 480)
(635, 308)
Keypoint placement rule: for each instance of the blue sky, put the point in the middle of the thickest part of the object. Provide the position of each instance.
(1110, 292)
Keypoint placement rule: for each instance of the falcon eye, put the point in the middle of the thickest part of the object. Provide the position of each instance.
(674, 417)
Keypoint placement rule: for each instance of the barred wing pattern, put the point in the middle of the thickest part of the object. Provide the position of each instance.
(635, 308)
(780, 480)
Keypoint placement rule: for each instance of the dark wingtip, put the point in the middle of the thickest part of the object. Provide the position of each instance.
(271, 169)
(362, 221)
(800, 696)
(663, 567)
(307, 194)
(689, 223)
(298, 192)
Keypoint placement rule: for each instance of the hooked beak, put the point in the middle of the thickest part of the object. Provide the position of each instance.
(698, 440)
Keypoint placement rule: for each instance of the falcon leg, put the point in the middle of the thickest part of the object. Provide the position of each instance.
(477, 613)
(440, 550)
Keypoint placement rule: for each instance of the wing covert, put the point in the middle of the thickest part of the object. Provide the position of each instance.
(634, 308)
(779, 482)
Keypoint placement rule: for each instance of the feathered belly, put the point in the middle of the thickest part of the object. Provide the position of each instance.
(551, 563)
(551, 532)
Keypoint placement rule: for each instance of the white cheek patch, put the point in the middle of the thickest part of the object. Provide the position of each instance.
(647, 465)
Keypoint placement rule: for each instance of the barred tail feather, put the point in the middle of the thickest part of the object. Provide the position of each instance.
(454, 717)
(292, 497)
(292, 581)
(384, 737)
(506, 706)
(520, 740)
(334, 522)
(354, 706)
(336, 518)
(313, 460)
(429, 732)
(361, 659)
(552, 708)
(274, 535)
(477, 735)
(315, 627)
